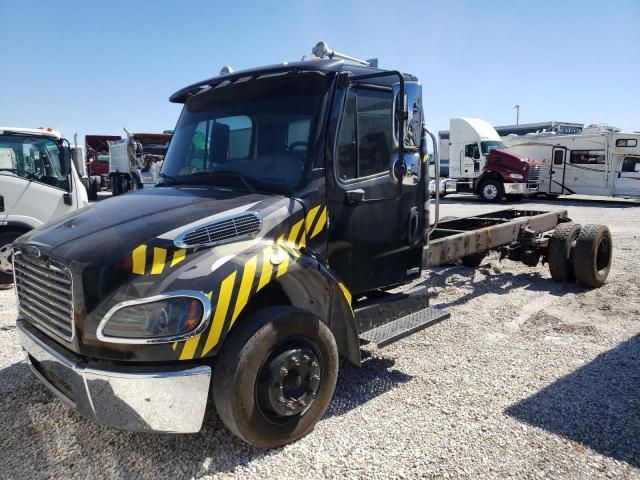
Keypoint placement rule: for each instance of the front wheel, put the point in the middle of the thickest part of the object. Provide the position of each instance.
(6, 265)
(491, 191)
(275, 376)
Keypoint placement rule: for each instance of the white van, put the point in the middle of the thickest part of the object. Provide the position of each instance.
(599, 161)
(38, 183)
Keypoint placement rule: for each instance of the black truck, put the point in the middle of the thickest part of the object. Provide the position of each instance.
(292, 200)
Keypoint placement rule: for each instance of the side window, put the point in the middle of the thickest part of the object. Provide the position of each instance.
(587, 157)
(364, 143)
(472, 151)
(558, 157)
(631, 164)
(347, 153)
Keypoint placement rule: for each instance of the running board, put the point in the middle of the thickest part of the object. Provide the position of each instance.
(403, 327)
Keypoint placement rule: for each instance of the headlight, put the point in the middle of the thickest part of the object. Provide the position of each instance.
(160, 319)
(516, 176)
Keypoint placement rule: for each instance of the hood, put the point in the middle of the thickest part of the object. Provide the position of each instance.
(110, 229)
(512, 155)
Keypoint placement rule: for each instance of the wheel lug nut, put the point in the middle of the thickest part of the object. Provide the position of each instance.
(295, 361)
(316, 378)
(305, 358)
(314, 364)
(290, 406)
(302, 403)
(283, 371)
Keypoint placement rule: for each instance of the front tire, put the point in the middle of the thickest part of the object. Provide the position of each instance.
(491, 191)
(6, 266)
(275, 376)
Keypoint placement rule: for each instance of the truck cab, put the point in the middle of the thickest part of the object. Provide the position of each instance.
(38, 183)
(480, 163)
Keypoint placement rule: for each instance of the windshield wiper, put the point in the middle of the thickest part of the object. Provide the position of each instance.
(227, 173)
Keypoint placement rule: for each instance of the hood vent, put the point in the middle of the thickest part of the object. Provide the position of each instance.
(231, 229)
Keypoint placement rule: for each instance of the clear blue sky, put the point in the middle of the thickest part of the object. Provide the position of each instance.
(95, 67)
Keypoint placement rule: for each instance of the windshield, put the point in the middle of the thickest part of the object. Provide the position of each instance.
(490, 145)
(32, 157)
(257, 134)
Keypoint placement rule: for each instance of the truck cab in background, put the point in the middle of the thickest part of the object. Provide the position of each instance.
(135, 161)
(38, 183)
(479, 163)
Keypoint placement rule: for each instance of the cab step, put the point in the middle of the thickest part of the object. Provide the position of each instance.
(403, 327)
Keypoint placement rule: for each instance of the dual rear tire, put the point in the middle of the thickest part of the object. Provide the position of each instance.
(580, 253)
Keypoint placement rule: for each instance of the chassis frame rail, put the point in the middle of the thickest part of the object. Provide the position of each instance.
(460, 237)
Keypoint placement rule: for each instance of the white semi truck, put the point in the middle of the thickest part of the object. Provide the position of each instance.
(38, 183)
(479, 163)
(599, 161)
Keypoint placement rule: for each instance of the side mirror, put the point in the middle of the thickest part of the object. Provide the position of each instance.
(412, 105)
(65, 157)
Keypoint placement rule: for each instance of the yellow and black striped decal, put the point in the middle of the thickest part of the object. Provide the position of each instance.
(233, 294)
(155, 260)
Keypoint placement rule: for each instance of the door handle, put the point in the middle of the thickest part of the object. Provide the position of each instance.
(354, 197)
(414, 223)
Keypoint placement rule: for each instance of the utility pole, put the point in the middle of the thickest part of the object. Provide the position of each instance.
(517, 107)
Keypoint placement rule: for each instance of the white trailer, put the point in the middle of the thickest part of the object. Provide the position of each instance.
(599, 161)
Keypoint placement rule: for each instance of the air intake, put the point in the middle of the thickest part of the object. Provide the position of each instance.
(231, 229)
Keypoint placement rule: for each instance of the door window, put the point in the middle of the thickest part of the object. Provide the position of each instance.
(558, 157)
(33, 158)
(631, 164)
(364, 145)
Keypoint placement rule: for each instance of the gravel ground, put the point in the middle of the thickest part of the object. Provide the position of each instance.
(528, 379)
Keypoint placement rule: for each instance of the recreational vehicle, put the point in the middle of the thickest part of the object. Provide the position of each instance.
(599, 161)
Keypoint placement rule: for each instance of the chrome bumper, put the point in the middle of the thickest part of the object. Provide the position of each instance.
(520, 188)
(158, 399)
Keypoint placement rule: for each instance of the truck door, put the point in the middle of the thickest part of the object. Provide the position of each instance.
(374, 237)
(556, 175)
(627, 179)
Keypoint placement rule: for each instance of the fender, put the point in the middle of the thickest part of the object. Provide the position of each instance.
(305, 282)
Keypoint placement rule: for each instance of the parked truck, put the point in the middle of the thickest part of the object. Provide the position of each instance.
(292, 199)
(97, 153)
(38, 183)
(135, 161)
(599, 160)
(479, 163)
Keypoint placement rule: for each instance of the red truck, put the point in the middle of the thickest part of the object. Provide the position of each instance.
(97, 147)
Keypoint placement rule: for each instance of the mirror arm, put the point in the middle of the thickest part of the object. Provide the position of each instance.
(437, 180)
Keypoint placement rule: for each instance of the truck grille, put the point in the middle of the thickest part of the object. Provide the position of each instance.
(534, 174)
(230, 229)
(44, 294)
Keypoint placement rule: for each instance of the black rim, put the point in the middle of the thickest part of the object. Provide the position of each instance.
(603, 255)
(289, 380)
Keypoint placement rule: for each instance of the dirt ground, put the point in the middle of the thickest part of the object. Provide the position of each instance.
(528, 379)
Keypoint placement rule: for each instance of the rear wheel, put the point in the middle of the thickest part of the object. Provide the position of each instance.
(275, 376)
(560, 251)
(6, 265)
(491, 191)
(592, 255)
(92, 191)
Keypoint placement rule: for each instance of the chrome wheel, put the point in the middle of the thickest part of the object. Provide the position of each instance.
(490, 191)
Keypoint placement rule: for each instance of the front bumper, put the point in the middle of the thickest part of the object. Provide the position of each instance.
(520, 188)
(158, 399)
